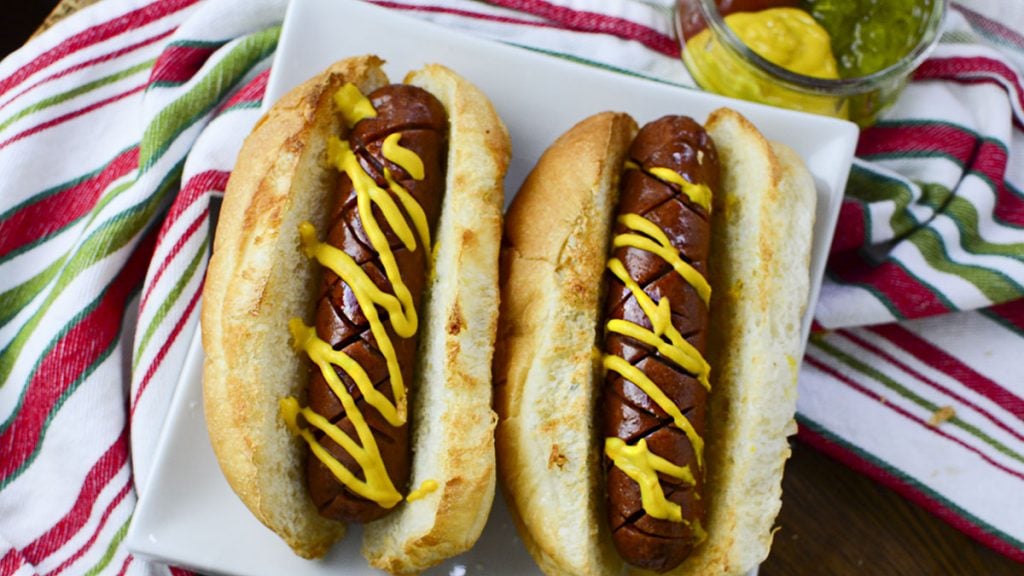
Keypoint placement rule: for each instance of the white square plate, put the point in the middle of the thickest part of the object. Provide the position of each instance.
(188, 515)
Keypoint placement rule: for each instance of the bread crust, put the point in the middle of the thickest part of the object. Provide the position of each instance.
(553, 259)
(546, 366)
(259, 278)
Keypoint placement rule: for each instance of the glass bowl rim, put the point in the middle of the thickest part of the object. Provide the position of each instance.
(810, 84)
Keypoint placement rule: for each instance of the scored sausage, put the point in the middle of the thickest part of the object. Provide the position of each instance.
(422, 122)
(679, 144)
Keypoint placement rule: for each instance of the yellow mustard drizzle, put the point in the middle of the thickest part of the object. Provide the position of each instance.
(404, 157)
(642, 465)
(637, 461)
(699, 194)
(636, 376)
(427, 487)
(699, 535)
(413, 165)
(657, 243)
(368, 296)
(353, 105)
(377, 486)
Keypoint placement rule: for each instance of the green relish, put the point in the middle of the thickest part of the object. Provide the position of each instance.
(869, 35)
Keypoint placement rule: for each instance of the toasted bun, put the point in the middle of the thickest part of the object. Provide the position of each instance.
(553, 259)
(259, 278)
(556, 246)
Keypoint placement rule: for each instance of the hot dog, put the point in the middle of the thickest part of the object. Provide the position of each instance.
(350, 312)
(651, 196)
(648, 344)
(410, 119)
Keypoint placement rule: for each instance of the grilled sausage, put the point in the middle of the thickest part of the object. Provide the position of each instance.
(422, 122)
(629, 413)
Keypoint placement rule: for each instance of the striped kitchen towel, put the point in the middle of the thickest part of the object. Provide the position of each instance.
(120, 125)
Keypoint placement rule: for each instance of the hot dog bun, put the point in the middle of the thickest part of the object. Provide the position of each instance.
(259, 279)
(548, 365)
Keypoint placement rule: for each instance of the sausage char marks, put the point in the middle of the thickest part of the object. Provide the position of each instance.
(376, 259)
(656, 381)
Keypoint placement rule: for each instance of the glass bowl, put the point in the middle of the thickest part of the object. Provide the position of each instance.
(721, 62)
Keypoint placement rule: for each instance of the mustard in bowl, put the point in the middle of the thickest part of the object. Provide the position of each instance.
(848, 59)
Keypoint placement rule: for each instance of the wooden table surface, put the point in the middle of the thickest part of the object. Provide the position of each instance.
(833, 521)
